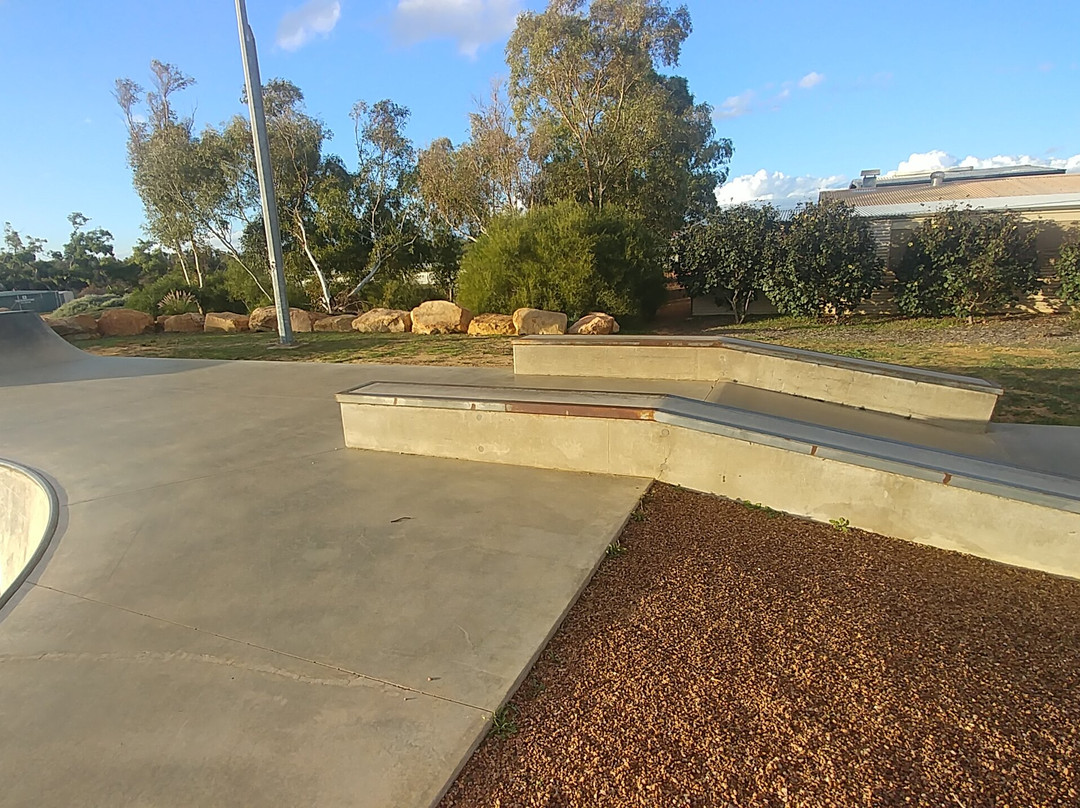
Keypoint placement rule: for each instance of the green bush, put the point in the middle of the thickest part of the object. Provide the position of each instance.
(829, 264)
(965, 262)
(727, 255)
(89, 304)
(1067, 265)
(239, 286)
(566, 257)
(400, 293)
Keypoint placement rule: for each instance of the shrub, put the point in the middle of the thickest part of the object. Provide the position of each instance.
(566, 257)
(965, 262)
(1068, 268)
(829, 264)
(89, 304)
(727, 255)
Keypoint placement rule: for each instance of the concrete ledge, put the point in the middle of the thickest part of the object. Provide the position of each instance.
(28, 514)
(940, 398)
(924, 495)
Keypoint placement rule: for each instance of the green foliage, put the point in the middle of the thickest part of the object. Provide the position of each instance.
(89, 304)
(504, 722)
(829, 264)
(567, 257)
(605, 125)
(1068, 268)
(965, 262)
(841, 524)
(727, 255)
(616, 549)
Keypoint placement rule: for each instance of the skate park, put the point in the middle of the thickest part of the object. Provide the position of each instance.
(262, 582)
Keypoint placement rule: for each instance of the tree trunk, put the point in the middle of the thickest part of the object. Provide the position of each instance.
(314, 264)
(183, 262)
(198, 266)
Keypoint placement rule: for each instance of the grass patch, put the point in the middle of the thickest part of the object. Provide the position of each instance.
(446, 349)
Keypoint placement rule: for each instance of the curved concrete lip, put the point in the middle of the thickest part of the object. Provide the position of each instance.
(41, 543)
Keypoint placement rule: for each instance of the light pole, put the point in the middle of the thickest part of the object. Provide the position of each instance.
(262, 166)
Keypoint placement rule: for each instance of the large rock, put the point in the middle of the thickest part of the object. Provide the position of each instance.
(383, 321)
(226, 321)
(595, 323)
(538, 321)
(265, 319)
(190, 323)
(79, 326)
(492, 325)
(336, 322)
(440, 317)
(124, 323)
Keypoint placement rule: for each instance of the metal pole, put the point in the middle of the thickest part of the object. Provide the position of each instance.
(266, 178)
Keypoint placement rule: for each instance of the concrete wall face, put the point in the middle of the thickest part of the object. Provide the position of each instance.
(26, 513)
(920, 506)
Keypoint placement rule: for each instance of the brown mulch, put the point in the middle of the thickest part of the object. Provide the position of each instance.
(735, 656)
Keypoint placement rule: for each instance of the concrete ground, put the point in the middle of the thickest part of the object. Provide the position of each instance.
(239, 611)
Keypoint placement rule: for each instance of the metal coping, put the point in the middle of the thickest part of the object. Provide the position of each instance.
(779, 351)
(868, 451)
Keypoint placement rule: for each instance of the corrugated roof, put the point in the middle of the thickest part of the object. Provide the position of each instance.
(960, 191)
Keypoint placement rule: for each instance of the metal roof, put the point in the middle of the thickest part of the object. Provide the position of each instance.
(984, 191)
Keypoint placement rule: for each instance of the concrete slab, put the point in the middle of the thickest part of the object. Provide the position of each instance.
(236, 610)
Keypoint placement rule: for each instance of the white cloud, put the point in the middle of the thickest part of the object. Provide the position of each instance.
(938, 160)
(752, 100)
(775, 187)
(470, 23)
(736, 105)
(301, 25)
(786, 191)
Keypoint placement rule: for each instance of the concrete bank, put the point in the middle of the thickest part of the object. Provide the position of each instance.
(28, 513)
(925, 495)
(958, 402)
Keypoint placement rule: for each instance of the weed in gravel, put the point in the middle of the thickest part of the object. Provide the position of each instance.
(757, 506)
(638, 515)
(841, 524)
(504, 722)
(616, 549)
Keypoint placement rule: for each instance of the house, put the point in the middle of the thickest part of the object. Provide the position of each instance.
(897, 203)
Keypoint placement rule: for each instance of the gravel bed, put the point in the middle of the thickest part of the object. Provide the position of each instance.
(734, 656)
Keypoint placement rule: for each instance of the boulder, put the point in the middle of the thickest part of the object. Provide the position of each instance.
(383, 321)
(80, 326)
(184, 323)
(124, 322)
(225, 321)
(538, 321)
(159, 321)
(440, 317)
(595, 323)
(491, 325)
(337, 322)
(265, 319)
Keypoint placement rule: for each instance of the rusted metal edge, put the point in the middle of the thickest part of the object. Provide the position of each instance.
(581, 410)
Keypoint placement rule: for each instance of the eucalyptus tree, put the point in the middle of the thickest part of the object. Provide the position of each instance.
(610, 128)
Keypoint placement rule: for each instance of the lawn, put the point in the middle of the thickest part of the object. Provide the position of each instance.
(1035, 359)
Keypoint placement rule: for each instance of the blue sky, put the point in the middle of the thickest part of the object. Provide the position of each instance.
(810, 93)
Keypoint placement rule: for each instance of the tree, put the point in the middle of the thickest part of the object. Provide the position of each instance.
(566, 257)
(727, 255)
(966, 262)
(20, 264)
(493, 172)
(1067, 264)
(607, 127)
(384, 193)
(830, 263)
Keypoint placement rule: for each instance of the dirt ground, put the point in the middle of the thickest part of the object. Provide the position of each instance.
(733, 656)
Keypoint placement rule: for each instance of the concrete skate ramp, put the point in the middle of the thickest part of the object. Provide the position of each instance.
(28, 513)
(27, 343)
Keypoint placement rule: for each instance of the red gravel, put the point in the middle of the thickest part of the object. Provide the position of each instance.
(738, 657)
